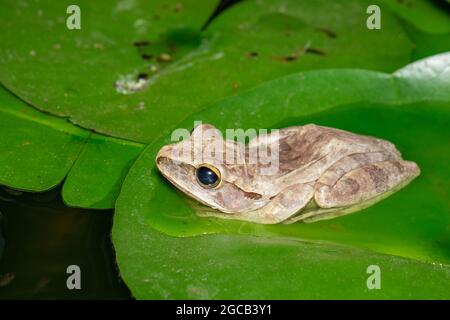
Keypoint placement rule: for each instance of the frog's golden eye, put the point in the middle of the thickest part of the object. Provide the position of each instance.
(208, 176)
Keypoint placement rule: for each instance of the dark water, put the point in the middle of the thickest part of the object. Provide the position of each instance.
(43, 237)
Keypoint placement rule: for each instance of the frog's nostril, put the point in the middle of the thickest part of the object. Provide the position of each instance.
(162, 161)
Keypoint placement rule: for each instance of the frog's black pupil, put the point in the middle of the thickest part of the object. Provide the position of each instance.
(207, 176)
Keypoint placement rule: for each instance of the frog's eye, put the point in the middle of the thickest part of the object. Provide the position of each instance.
(208, 176)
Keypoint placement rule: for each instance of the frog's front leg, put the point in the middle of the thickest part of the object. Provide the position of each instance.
(361, 177)
(282, 206)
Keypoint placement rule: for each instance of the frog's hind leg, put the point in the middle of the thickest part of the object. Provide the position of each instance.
(339, 193)
(364, 183)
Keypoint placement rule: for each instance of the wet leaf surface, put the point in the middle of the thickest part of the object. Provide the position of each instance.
(138, 67)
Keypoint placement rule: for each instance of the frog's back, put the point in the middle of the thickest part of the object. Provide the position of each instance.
(317, 147)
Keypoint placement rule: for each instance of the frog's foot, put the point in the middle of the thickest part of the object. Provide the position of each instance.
(364, 183)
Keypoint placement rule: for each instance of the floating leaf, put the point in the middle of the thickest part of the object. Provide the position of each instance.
(38, 151)
(157, 266)
(95, 179)
(155, 52)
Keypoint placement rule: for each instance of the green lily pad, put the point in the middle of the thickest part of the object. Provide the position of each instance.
(161, 246)
(38, 151)
(158, 266)
(95, 179)
(156, 48)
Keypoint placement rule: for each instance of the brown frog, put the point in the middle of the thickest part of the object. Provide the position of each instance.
(321, 173)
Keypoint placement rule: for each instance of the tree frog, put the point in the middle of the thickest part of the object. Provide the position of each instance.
(321, 173)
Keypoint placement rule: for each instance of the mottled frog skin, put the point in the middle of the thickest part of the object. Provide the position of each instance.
(322, 173)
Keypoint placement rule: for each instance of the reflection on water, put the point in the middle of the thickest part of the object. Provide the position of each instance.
(42, 237)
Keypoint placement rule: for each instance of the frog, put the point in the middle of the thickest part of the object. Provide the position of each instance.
(322, 173)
